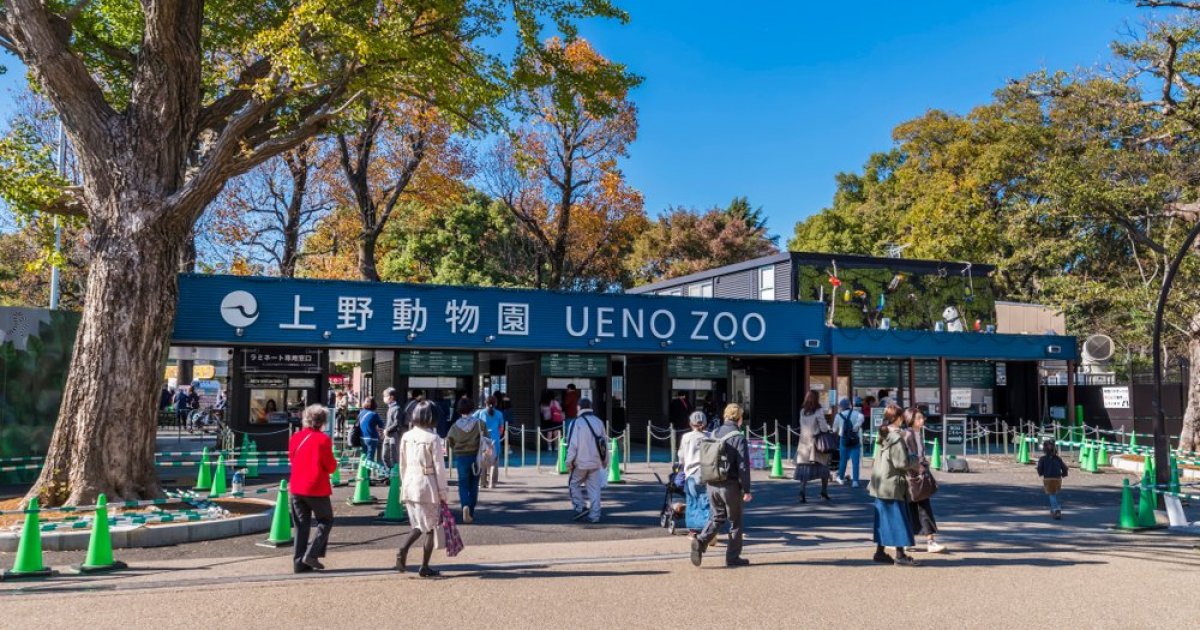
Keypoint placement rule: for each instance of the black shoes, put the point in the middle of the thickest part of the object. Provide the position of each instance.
(803, 499)
(825, 495)
(737, 562)
(402, 561)
(300, 567)
(697, 551)
(313, 564)
(427, 572)
(882, 558)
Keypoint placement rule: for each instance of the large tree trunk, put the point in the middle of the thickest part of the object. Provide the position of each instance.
(366, 256)
(1188, 438)
(105, 437)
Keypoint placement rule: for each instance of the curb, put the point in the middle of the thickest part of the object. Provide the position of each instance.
(153, 536)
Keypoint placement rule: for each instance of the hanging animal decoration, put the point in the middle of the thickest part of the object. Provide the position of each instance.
(953, 320)
(969, 289)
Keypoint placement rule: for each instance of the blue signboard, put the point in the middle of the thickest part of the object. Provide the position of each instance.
(322, 313)
(863, 342)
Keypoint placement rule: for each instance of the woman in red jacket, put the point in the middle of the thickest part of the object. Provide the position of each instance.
(310, 452)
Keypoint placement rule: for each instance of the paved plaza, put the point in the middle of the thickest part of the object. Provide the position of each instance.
(527, 565)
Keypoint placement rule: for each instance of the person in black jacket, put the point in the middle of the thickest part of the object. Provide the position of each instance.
(1052, 469)
(728, 497)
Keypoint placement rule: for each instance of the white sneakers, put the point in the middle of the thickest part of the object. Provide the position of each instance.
(467, 517)
(935, 547)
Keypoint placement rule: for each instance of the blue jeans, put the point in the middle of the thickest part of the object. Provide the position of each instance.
(845, 454)
(1054, 507)
(468, 481)
(370, 448)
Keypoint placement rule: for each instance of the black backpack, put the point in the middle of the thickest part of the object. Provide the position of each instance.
(849, 435)
(356, 435)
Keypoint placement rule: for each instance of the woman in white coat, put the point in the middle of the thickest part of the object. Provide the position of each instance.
(424, 484)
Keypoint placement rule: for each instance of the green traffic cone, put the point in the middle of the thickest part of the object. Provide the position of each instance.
(281, 521)
(1150, 468)
(362, 486)
(1145, 512)
(100, 551)
(1023, 450)
(1133, 441)
(335, 478)
(219, 483)
(1085, 458)
(1127, 518)
(243, 452)
(252, 462)
(393, 511)
(614, 464)
(776, 462)
(935, 458)
(29, 548)
(204, 477)
(1104, 461)
(562, 456)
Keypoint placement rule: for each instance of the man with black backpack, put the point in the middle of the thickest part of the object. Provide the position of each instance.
(587, 462)
(725, 467)
(847, 424)
(393, 428)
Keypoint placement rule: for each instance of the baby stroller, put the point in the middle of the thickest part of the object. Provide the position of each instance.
(675, 501)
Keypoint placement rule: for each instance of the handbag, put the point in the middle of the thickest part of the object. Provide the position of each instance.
(825, 442)
(454, 543)
(921, 485)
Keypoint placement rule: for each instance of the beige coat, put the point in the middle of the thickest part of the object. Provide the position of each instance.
(423, 467)
(806, 449)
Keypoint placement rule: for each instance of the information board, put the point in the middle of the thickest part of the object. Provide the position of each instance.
(883, 374)
(1116, 397)
(697, 367)
(973, 374)
(435, 363)
(281, 360)
(954, 435)
(590, 365)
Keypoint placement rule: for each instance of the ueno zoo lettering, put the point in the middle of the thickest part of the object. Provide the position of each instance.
(605, 322)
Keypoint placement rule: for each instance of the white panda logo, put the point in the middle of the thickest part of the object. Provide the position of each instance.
(239, 309)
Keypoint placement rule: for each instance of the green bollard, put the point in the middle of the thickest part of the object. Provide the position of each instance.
(281, 521)
(204, 476)
(614, 464)
(562, 456)
(935, 458)
(29, 548)
(100, 552)
(393, 511)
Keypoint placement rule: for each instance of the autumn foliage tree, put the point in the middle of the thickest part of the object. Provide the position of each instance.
(393, 154)
(683, 241)
(164, 101)
(558, 172)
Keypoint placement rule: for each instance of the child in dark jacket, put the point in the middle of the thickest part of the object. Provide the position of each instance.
(1052, 469)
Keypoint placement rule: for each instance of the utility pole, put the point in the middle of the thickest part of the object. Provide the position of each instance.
(62, 172)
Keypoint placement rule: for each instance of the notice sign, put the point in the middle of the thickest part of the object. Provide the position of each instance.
(877, 416)
(592, 365)
(436, 363)
(960, 397)
(697, 367)
(1116, 397)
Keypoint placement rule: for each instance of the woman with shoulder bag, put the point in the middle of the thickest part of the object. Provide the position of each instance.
(812, 462)
(889, 486)
(921, 485)
(424, 484)
(463, 439)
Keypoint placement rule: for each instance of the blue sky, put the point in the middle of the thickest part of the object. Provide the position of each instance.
(773, 98)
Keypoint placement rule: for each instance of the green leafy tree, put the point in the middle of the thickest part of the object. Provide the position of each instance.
(166, 100)
(475, 242)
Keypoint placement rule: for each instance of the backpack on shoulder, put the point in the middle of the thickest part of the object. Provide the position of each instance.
(850, 437)
(714, 459)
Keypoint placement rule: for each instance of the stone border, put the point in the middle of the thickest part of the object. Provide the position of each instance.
(1121, 463)
(158, 535)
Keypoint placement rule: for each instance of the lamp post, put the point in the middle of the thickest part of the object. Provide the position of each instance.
(1162, 446)
(62, 171)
